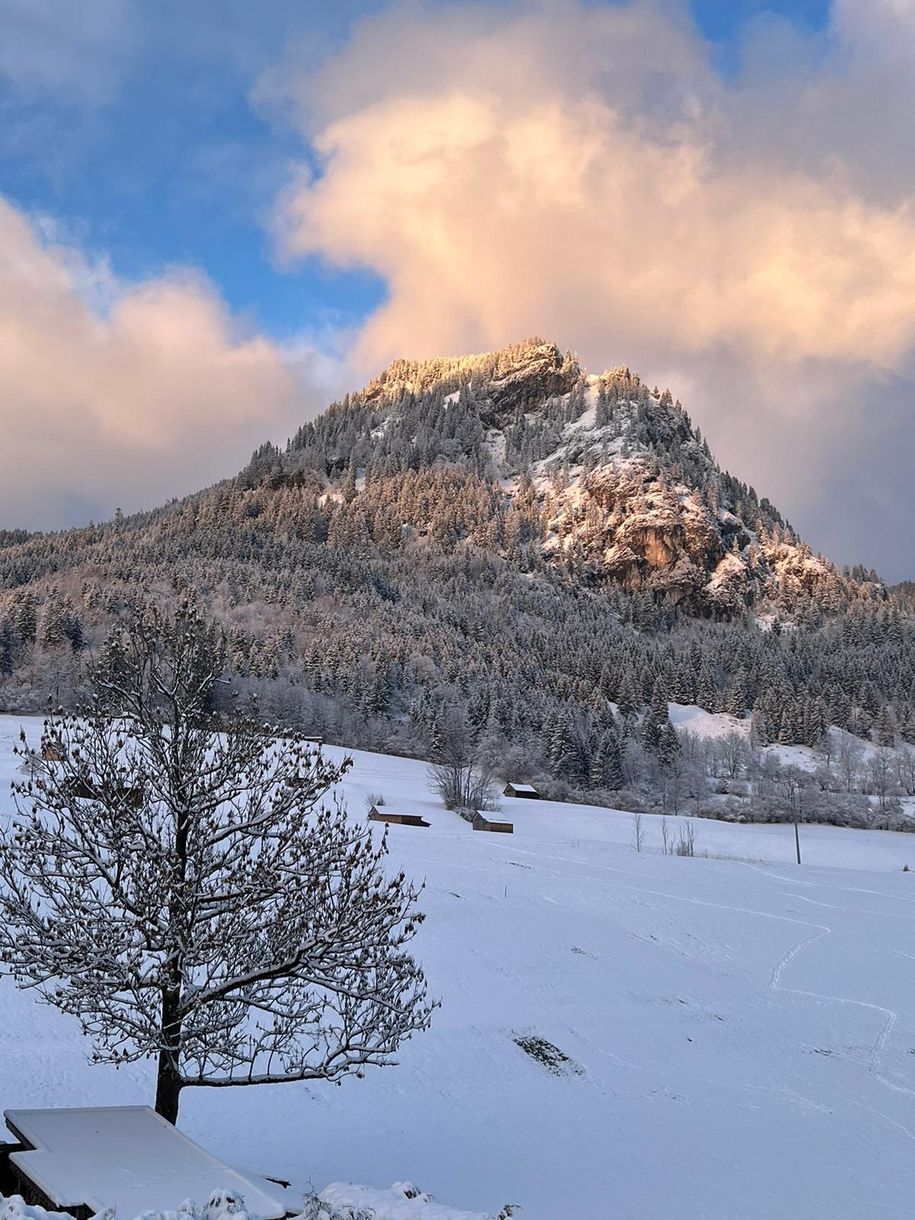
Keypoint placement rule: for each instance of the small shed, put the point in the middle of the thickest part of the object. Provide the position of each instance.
(133, 795)
(126, 1157)
(84, 788)
(394, 817)
(526, 790)
(492, 821)
(81, 788)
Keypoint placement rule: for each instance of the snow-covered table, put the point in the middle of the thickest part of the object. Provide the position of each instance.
(129, 1158)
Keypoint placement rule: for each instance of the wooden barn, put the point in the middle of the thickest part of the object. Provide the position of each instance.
(82, 788)
(526, 790)
(394, 817)
(492, 821)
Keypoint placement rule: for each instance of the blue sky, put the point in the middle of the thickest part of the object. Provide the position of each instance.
(722, 19)
(172, 162)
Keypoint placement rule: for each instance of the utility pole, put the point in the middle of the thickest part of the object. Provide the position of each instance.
(797, 836)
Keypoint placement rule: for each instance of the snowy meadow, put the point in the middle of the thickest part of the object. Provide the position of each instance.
(622, 1034)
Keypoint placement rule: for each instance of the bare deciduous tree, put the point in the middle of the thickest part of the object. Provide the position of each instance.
(464, 785)
(638, 831)
(460, 774)
(173, 880)
(879, 775)
(733, 752)
(686, 842)
(849, 757)
(904, 763)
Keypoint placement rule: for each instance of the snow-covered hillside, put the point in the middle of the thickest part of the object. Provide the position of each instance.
(629, 1036)
(711, 726)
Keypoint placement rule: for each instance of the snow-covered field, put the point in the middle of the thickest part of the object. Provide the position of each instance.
(739, 1032)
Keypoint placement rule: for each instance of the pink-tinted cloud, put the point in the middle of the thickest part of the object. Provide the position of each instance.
(503, 172)
(583, 171)
(123, 394)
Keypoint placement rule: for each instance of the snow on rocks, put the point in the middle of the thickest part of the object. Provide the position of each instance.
(338, 1201)
(403, 1201)
(220, 1206)
(16, 1208)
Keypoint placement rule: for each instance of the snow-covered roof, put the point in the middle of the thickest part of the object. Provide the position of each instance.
(129, 1158)
(405, 806)
(521, 787)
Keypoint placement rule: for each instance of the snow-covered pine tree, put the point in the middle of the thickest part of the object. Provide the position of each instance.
(656, 719)
(668, 747)
(612, 755)
(561, 745)
(885, 728)
(173, 880)
(736, 700)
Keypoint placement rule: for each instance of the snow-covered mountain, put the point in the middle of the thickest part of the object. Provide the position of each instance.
(610, 479)
(502, 538)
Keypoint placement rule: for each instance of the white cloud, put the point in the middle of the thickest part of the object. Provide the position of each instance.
(582, 171)
(125, 394)
(507, 178)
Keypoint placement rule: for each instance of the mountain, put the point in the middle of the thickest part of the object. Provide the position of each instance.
(611, 481)
(502, 542)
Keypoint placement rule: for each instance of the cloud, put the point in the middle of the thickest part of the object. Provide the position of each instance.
(125, 394)
(582, 171)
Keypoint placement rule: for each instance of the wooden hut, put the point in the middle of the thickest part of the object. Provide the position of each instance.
(394, 818)
(528, 791)
(492, 821)
(81, 788)
(133, 795)
(84, 788)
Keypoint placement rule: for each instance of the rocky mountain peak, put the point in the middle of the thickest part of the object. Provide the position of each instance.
(512, 377)
(595, 475)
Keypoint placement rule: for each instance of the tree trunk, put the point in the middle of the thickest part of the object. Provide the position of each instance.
(168, 1089)
(168, 1081)
(168, 1078)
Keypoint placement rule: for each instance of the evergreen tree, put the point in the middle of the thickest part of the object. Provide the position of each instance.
(736, 701)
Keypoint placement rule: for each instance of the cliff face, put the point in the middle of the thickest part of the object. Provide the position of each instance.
(516, 377)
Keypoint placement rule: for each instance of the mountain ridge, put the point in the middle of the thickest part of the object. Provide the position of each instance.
(503, 543)
(626, 487)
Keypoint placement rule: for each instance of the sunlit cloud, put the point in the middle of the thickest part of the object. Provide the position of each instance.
(574, 169)
(582, 171)
(125, 394)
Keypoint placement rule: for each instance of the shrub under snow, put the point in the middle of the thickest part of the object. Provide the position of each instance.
(339, 1201)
